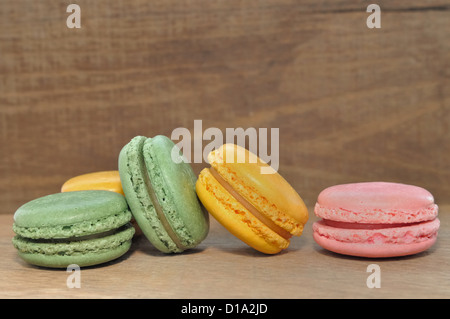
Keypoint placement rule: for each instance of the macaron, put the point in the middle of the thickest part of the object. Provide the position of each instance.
(105, 180)
(376, 219)
(160, 191)
(262, 210)
(84, 228)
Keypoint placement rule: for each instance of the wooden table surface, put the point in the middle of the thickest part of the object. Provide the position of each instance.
(224, 267)
(352, 104)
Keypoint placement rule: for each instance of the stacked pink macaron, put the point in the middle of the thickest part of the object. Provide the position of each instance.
(376, 219)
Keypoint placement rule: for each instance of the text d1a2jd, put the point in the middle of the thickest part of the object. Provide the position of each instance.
(251, 308)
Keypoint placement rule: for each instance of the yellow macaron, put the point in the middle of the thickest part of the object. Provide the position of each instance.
(262, 210)
(106, 180)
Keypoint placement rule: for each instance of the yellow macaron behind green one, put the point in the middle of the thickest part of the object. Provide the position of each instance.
(104, 180)
(262, 210)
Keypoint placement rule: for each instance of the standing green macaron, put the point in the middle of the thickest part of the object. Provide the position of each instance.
(161, 194)
(84, 228)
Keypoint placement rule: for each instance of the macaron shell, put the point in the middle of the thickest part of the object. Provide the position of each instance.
(71, 214)
(106, 180)
(132, 169)
(379, 243)
(82, 253)
(235, 217)
(80, 260)
(174, 186)
(270, 194)
(376, 202)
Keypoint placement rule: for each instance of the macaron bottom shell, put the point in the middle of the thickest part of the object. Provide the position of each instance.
(81, 260)
(93, 250)
(382, 241)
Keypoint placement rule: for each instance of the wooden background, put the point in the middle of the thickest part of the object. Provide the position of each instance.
(352, 103)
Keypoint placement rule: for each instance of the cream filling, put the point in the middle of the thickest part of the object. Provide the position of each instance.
(265, 220)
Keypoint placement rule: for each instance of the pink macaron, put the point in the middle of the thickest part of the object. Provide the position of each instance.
(376, 219)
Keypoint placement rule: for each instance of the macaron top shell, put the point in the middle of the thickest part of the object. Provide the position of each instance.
(174, 187)
(270, 194)
(70, 214)
(135, 185)
(376, 202)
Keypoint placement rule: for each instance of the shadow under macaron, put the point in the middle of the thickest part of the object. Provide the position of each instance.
(142, 244)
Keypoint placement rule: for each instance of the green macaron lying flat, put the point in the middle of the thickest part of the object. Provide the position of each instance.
(161, 194)
(84, 228)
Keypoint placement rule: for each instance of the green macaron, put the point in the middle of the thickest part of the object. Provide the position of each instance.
(160, 191)
(84, 228)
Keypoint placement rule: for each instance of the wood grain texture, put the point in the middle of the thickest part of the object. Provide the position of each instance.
(224, 267)
(352, 104)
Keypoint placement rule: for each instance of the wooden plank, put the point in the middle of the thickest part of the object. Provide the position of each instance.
(351, 103)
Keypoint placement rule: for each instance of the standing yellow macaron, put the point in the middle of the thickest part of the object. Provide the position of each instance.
(106, 180)
(262, 210)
